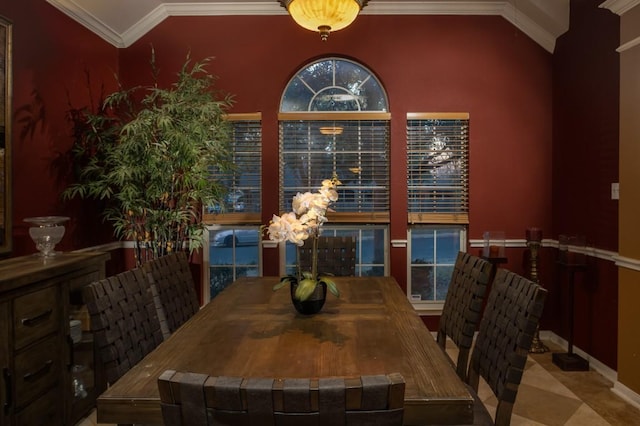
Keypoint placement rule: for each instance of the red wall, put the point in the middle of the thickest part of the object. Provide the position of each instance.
(481, 65)
(586, 80)
(52, 57)
(513, 89)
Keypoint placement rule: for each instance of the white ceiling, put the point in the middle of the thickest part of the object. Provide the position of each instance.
(122, 22)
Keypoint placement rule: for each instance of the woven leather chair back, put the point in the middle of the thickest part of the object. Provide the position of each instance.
(509, 322)
(174, 290)
(123, 319)
(336, 256)
(198, 400)
(463, 306)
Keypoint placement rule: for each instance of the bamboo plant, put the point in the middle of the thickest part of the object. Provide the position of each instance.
(147, 153)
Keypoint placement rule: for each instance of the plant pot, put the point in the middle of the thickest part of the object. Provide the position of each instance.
(314, 303)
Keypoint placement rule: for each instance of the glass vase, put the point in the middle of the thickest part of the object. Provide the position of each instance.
(46, 232)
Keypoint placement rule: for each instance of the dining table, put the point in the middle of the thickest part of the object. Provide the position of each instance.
(250, 330)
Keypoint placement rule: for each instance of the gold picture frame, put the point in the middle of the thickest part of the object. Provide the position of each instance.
(5, 136)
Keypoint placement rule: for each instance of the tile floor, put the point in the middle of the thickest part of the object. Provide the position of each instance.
(549, 396)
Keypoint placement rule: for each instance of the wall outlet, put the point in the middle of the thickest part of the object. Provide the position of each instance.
(615, 191)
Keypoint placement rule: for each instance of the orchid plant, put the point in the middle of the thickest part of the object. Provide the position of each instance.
(302, 223)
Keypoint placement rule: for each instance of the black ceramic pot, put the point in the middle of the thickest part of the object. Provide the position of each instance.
(314, 303)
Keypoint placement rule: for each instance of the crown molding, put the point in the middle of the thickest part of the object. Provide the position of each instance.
(619, 7)
(225, 8)
(628, 45)
(543, 31)
(84, 17)
(143, 26)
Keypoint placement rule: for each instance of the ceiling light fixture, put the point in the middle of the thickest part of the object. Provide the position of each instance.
(323, 16)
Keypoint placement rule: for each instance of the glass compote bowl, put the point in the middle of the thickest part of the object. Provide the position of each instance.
(46, 232)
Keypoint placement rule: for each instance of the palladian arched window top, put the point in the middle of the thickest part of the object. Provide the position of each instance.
(334, 84)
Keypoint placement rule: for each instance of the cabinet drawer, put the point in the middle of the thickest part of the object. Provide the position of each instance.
(38, 369)
(45, 411)
(36, 315)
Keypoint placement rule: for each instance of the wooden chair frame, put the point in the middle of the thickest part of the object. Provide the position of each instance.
(201, 400)
(511, 316)
(174, 290)
(123, 319)
(463, 306)
(336, 256)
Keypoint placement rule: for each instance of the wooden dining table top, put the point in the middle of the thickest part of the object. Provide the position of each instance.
(249, 330)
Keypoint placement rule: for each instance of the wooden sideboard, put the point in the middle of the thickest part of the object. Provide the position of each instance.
(38, 298)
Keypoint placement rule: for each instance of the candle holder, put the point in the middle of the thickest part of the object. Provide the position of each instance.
(494, 244)
(572, 258)
(534, 241)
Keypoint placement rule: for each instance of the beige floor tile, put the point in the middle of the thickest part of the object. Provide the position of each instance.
(586, 416)
(548, 396)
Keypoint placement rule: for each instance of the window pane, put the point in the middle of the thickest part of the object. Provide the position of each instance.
(373, 245)
(422, 283)
(370, 248)
(437, 165)
(448, 245)
(334, 84)
(358, 156)
(220, 279)
(372, 271)
(233, 253)
(245, 182)
(434, 250)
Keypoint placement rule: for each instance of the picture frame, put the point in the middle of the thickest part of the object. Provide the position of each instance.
(5, 135)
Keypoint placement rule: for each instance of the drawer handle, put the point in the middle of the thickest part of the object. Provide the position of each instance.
(30, 322)
(8, 401)
(32, 377)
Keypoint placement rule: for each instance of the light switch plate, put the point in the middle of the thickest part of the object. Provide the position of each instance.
(615, 191)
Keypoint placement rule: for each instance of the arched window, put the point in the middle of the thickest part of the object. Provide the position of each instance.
(334, 84)
(334, 119)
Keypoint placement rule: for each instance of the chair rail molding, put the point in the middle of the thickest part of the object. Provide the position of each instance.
(627, 262)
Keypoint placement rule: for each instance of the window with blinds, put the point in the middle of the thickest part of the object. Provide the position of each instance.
(438, 167)
(243, 201)
(438, 202)
(353, 146)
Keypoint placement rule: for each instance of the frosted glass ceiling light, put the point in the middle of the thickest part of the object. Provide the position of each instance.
(324, 16)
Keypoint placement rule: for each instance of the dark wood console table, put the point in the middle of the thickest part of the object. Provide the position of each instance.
(37, 299)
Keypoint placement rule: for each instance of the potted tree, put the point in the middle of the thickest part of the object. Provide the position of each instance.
(148, 152)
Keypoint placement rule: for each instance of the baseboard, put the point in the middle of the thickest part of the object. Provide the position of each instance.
(627, 394)
(596, 365)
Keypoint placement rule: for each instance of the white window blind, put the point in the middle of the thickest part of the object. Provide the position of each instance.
(438, 167)
(243, 201)
(353, 146)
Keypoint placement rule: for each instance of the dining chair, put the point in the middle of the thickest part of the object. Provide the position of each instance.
(463, 306)
(174, 290)
(336, 256)
(509, 322)
(123, 320)
(198, 399)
